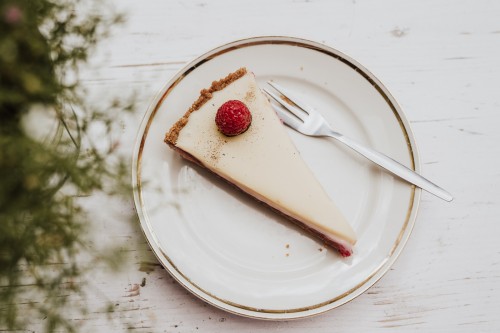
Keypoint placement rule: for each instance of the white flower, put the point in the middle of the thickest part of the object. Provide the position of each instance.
(40, 122)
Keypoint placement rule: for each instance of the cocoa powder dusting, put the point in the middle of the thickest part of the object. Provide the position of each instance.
(249, 96)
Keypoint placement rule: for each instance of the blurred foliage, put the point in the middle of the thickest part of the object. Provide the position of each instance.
(50, 155)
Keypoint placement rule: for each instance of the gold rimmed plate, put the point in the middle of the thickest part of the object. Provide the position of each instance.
(234, 253)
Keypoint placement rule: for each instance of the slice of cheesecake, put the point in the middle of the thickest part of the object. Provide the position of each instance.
(261, 161)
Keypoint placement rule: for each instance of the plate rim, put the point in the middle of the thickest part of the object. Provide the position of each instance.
(240, 309)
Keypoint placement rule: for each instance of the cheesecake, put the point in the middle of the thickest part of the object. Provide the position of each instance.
(255, 154)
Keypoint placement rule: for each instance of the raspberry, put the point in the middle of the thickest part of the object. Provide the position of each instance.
(233, 118)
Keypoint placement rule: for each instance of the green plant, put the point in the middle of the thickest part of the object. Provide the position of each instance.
(50, 155)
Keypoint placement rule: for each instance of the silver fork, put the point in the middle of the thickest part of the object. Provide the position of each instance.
(308, 121)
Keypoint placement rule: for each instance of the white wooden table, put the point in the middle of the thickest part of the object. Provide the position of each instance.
(440, 59)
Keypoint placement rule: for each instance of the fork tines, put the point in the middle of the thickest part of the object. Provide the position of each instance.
(289, 104)
(290, 98)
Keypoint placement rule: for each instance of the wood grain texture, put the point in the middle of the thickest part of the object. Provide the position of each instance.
(440, 59)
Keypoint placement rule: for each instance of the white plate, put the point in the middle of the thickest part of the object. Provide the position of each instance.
(235, 254)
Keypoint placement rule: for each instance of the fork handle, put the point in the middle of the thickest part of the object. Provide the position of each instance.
(393, 166)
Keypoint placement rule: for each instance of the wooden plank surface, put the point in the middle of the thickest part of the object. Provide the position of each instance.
(440, 59)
